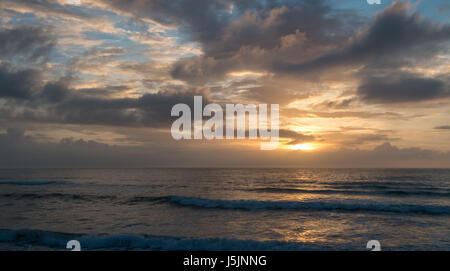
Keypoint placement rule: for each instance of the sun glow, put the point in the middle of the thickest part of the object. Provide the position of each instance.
(246, 73)
(304, 147)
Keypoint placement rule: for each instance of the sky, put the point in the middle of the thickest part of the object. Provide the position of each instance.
(91, 83)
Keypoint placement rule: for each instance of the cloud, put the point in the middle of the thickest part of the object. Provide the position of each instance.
(26, 43)
(298, 113)
(444, 127)
(202, 19)
(95, 59)
(259, 33)
(367, 138)
(32, 99)
(301, 38)
(149, 110)
(18, 84)
(21, 150)
(46, 7)
(402, 87)
(114, 65)
(21, 47)
(295, 137)
(260, 88)
(105, 92)
(295, 39)
(392, 38)
(282, 40)
(337, 104)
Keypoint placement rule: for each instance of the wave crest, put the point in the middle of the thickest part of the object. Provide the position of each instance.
(254, 205)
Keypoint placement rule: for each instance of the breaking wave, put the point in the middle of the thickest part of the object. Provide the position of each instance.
(57, 241)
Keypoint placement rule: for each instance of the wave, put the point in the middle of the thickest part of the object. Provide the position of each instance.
(254, 205)
(379, 184)
(33, 183)
(60, 196)
(349, 192)
(403, 178)
(58, 241)
(137, 200)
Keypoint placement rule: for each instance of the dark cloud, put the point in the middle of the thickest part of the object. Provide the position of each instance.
(253, 38)
(54, 92)
(283, 40)
(402, 88)
(308, 37)
(444, 127)
(393, 38)
(301, 38)
(202, 19)
(367, 138)
(295, 137)
(223, 27)
(18, 84)
(32, 99)
(277, 24)
(24, 151)
(20, 150)
(21, 47)
(26, 43)
(149, 110)
(104, 92)
(337, 104)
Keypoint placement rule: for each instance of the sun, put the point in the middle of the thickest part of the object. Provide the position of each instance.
(303, 147)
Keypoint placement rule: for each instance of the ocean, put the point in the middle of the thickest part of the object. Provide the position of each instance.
(224, 209)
